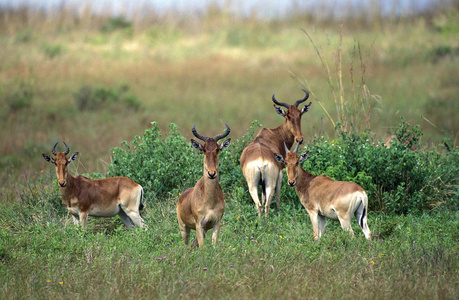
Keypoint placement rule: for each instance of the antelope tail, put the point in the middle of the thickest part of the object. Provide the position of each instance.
(364, 215)
(141, 197)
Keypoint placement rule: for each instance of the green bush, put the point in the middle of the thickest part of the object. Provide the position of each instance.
(24, 36)
(116, 23)
(397, 179)
(170, 165)
(52, 50)
(161, 166)
(20, 98)
(94, 98)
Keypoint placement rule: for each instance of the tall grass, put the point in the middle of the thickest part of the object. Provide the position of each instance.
(353, 101)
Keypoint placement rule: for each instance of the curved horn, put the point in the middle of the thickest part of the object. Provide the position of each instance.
(68, 149)
(196, 134)
(286, 105)
(296, 147)
(286, 149)
(224, 134)
(54, 149)
(302, 100)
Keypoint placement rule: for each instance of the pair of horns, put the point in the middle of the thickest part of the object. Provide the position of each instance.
(294, 150)
(66, 151)
(205, 138)
(286, 105)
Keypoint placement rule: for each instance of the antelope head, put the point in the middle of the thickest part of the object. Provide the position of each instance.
(292, 163)
(211, 150)
(293, 115)
(61, 161)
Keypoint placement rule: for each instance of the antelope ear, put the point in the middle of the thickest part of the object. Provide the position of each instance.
(73, 157)
(225, 144)
(280, 111)
(196, 145)
(279, 158)
(304, 156)
(48, 158)
(306, 108)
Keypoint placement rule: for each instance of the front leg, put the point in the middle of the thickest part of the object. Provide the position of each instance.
(200, 233)
(313, 215)
(76, 219)
(215, 232)
(84, 219)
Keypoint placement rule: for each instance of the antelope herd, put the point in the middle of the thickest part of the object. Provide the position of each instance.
(201, 207)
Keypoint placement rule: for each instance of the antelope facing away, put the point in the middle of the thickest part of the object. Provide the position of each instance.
(257, 159)
(202, 206)
(323, 197)
(98, 198)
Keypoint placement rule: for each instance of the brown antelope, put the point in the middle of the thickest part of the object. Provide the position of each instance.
(323, 197)
(201, 207)
(99, 198)
(257, 159)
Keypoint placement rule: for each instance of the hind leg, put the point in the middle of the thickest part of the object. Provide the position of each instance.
(185, 232)
(76, 219)
(322, 221)
(366, 230)
(278, 190)
(361, 216)
(346, 223)
(270, 189)
(269, 196)
(134, 215)
(126, 220)
(252, 175)
(253, 190)
(362, 219)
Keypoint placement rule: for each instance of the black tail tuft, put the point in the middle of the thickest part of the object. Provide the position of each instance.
(364, 213)
(141, 206)
(263, 188)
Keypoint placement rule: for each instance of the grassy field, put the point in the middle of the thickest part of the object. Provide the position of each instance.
(95, 81)
(43, 255)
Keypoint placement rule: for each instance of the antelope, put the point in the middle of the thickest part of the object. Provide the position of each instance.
(257, 160)
(323, 197)
(98, 198)
(202, 206)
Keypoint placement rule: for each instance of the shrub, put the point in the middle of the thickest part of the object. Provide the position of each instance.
(116, 23)
(90, 98)
(161, 166)
(20, 98)
(52, 50)
(24, 36)
(171, 165)
(397, 179)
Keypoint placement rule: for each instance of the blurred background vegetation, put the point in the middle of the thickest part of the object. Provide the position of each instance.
(95, 79)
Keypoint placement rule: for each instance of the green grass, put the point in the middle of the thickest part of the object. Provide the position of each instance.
(44, 255)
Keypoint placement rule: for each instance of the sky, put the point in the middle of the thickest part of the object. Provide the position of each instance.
(262, 8)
